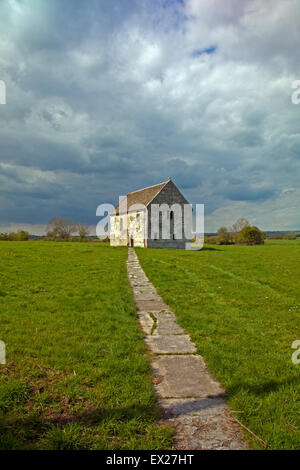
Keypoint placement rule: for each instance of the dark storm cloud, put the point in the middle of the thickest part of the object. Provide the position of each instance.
(105, 99)
(242, 193)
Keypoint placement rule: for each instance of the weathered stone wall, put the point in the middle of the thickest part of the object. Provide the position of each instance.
(175, 244)
(135, 228)
(169, 195)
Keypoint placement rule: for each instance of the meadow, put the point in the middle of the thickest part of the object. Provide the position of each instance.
(241, 306)
(77, 374)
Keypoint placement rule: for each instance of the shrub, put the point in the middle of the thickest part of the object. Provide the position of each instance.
(224, 237)
(239, 225)
(21, 235)
(250, 236)
(12, 237)
(211, 240)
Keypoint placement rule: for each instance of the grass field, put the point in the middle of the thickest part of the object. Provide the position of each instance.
(241, 306)
(77, 376)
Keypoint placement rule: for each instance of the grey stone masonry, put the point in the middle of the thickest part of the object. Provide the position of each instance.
(130, 222)
(169, 195)
(191, 400)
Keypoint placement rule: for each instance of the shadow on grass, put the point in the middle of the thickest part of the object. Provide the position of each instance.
(263, 388)
(210, 248)
(61, 431)
(89, 417)
(205, 248)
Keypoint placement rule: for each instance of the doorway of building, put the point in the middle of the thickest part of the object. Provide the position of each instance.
(131, 242)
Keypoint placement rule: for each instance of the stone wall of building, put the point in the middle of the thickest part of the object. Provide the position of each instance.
(121, 234)
(141, 223)
(175, 244)
(169, 195)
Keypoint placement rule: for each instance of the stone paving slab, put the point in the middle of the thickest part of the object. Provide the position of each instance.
(146, 322)
(174, 407)
(151, 305)
(170, 344)
(141, 284)
(136, 283)
(202, 424)
(146, 296)
(166, 324)
(183, 377)
(147, 288)
(138, 276)
(153, 312)
(139, 293)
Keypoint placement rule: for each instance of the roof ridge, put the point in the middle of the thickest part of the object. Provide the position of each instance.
(164, 184)
(142, 196)
(148, 187)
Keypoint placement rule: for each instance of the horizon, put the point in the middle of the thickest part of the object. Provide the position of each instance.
(40, 229)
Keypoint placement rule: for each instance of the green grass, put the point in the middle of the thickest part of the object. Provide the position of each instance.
(77, 374)
(241, 306)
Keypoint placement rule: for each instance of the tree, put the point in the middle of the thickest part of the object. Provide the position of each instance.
(250, 236)
(82, 229)
(12, 237)
(22, 235)
(224, 237)
(239, 225)
(60, 228)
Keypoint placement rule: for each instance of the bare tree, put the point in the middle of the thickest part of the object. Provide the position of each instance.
(60, 228)
(82, 229)
(52, 227)
(239, 225)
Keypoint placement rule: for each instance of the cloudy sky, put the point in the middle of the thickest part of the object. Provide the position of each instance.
(108, 96)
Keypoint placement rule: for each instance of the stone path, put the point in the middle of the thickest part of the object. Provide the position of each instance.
(191, 400)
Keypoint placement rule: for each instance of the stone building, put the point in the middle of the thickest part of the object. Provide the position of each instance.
(153, 217)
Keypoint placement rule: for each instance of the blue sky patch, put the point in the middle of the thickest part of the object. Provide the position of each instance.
(207, 50)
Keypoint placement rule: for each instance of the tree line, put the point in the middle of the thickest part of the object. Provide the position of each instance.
(241, 233)
(57, 229)
(63, 229)
(19, 236)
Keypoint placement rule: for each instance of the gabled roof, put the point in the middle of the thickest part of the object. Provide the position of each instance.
(142, 196)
